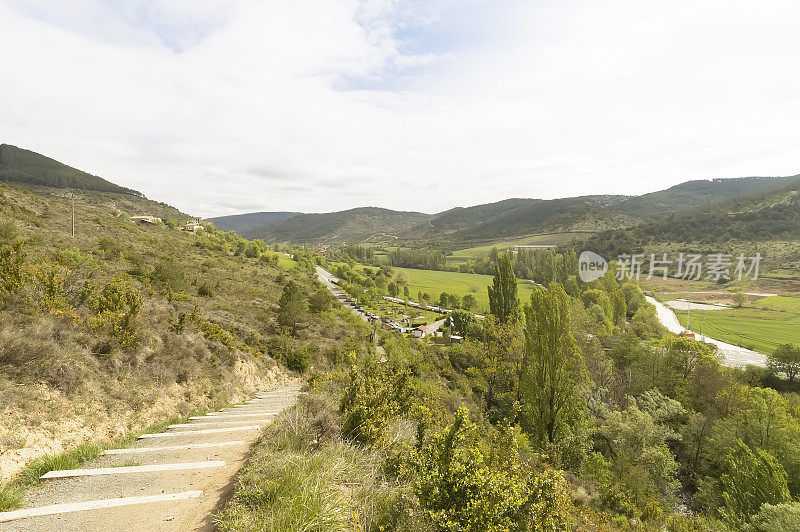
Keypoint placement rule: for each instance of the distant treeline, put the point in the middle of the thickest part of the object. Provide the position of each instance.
(352, 253)
(419, 259)
(24, 166)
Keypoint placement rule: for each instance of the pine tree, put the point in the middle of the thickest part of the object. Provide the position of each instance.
(292, 306)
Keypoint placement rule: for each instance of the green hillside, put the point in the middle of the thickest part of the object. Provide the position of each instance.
(764, 215)
(659, 205)
(25, 166)
(351, 226)
(127, 324)
(511, 220)
(487, 223)
(241, 223)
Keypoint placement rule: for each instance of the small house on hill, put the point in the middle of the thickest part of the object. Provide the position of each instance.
(193, 227)
(419, 332)
(146, 219)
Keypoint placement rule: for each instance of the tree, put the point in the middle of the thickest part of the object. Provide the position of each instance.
(553, 368)
(320, 301)
(503, 302)
(469, 302)
(291, 307)
(739, 298)
(463, 322)
(393, 289)
(499, 361)
(751, 479)
(785, 359)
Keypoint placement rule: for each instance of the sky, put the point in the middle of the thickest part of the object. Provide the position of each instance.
(231, 106)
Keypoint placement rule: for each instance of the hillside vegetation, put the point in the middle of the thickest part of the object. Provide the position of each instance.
(352, 226)
(24, 166)
(241, 223)
(756, 220)
(516, 219)
(127, 324)
(561, 410)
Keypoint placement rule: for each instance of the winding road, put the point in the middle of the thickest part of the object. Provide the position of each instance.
(734, 356)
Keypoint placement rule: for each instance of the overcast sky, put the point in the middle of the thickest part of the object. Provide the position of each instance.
(228, 106)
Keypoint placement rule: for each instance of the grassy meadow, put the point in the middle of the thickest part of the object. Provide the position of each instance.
(462, 255)
(762, 326)
(461, 284)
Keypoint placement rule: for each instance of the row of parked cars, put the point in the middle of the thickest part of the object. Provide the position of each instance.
(370, 316)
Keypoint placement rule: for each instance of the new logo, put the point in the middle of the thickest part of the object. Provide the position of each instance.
(591, 266)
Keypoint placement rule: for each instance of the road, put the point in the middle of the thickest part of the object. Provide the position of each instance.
(170, 481)
(328, 279)
(735, 356)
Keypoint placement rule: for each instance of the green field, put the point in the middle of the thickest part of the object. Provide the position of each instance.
(284, 262)
(553, 239)
(763, 325)
(461, 284)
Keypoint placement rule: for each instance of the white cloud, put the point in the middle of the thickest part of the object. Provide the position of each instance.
(226, 105)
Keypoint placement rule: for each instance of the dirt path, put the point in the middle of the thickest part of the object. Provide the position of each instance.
(171, 481)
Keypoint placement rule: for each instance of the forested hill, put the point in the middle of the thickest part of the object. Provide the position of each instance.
(252, 220)
(515, 217)
(661, 204)
(760, 215)
(25, 166)
(351, 226)
(507, 219)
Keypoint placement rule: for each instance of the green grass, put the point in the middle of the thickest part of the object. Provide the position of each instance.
(284, 262)
(761, 327)
(461, 284)
(286, 485)
(463, 255)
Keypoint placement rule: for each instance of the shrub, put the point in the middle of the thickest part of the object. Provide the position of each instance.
(770, 517)
(204, 290)
(12, 268)
(110, 248)
(115, 307)
(8, 231)
(375, 394)
(299, 358)
(460, 490)
(167, 275)
(751, 479)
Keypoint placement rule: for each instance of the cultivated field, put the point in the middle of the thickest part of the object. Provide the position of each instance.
(549, 239)
(762, 326)
(461, 284)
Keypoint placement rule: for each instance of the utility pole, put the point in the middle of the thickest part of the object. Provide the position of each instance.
(72, 197)
(689, 315)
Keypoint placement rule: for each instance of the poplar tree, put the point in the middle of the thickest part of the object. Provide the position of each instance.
(553, 368)
(503, 302)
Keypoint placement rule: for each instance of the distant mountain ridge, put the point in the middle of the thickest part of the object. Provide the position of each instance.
(25, 166)
(711, 210)
(511, 218)
(760, 214)
(351, 226)
(242, 223)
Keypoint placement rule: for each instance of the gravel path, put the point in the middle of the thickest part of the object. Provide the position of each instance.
(173, 481)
